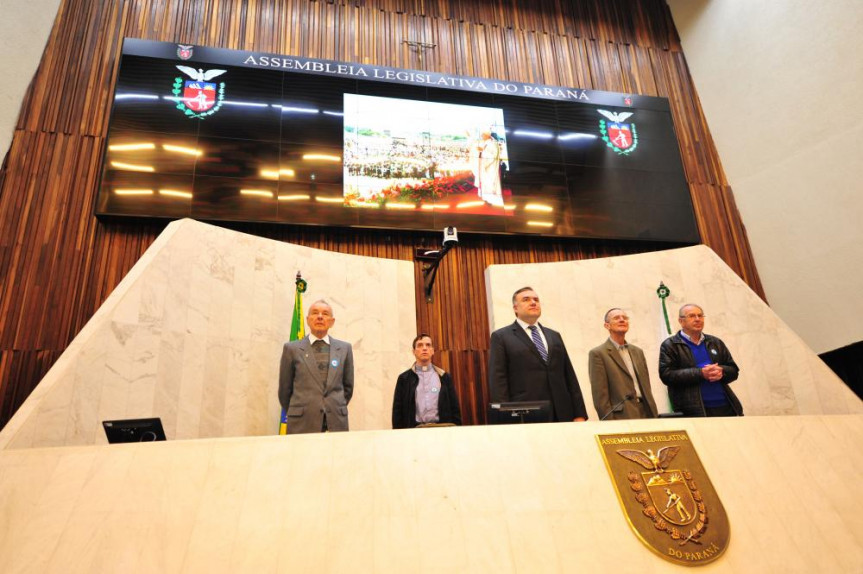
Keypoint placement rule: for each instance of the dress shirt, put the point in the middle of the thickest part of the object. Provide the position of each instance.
(627, 360)
(690, 339)
(325, 339)
(428, 394)
(526, 328)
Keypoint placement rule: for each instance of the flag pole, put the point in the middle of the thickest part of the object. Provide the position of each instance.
(298, 331)
(663, 292)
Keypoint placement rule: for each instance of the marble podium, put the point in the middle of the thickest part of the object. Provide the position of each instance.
(531, 498)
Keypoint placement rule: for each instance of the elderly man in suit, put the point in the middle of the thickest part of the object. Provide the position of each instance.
(529, 362)
(316, 377)
(619, 380)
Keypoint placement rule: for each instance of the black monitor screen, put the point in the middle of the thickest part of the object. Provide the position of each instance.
(227, 135)
(134, 430)
(519, 412)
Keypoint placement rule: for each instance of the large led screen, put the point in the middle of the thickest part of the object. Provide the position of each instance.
(227, 135)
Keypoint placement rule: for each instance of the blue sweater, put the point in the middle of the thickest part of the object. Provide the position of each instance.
(711, 393)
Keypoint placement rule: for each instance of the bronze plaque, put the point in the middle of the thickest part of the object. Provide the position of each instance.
(666, 495)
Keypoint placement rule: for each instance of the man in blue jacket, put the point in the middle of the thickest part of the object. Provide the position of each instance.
(697, 369)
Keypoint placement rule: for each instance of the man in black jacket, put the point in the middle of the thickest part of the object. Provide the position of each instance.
(529, 362)
(424, 393)
(697, 369)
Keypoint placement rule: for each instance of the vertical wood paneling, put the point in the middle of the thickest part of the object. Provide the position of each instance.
(58, 263)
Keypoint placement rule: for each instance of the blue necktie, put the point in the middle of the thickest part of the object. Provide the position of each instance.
(537, 340)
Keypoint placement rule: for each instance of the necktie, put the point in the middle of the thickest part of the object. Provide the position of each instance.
(537, 340)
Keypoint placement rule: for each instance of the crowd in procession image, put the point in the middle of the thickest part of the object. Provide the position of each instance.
(375, 161)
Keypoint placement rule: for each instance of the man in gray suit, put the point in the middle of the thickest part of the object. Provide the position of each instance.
(618, 374)
(316, 378)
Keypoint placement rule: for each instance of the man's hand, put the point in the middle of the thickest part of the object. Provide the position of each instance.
(712, 373)
(578, 420)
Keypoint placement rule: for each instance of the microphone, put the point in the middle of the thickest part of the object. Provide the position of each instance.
(617, 408)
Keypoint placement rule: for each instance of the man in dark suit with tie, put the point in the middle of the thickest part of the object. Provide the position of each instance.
(618, 374)
(316, 377)
(529, 362)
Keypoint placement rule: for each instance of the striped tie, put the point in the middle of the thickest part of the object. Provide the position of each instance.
(537, 340)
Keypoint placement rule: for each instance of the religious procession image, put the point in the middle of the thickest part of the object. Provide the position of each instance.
(413, 154)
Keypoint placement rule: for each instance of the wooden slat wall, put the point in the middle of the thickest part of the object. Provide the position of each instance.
(58, 263)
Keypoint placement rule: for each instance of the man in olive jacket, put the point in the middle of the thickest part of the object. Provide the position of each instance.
(424, 393)
(697, 369)
(618, 374)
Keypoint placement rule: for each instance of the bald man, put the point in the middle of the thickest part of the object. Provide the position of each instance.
(619, 381)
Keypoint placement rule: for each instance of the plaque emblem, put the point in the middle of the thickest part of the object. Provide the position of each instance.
(666, 495)
(620, 136)
(198, 97)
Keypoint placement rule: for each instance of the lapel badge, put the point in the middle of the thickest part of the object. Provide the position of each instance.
(666, 495)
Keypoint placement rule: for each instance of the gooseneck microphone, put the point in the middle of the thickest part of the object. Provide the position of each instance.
(617, 408)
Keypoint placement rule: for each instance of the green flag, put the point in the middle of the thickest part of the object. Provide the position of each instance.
(665, 327)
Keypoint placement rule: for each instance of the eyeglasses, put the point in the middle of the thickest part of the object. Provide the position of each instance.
(693, 316)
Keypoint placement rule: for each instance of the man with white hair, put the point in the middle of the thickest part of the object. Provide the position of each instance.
(316, 377)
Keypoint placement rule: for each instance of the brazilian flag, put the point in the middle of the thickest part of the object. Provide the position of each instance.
(298, 331)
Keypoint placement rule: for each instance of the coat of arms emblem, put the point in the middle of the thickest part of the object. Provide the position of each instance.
(620, 136)
(184, 52)
(666, 495)
(198, 97)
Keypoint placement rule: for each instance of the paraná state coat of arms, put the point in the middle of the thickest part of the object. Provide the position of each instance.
(666, 495)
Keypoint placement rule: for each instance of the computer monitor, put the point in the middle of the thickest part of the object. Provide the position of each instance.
(519, 412)
(134, 430)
